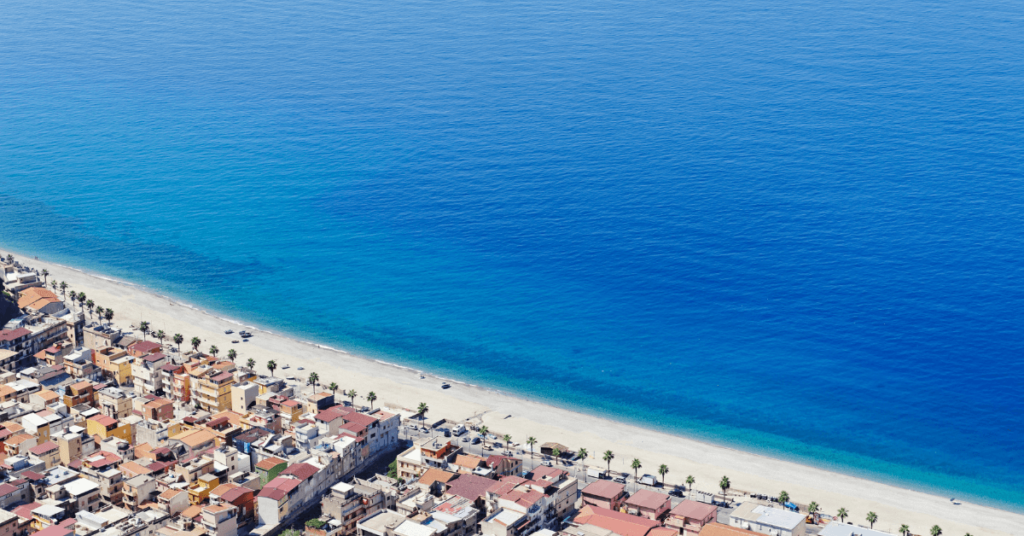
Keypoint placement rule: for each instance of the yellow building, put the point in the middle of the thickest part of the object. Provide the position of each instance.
(214, 391)
(115, 363)
(200, 490)
(105, 427)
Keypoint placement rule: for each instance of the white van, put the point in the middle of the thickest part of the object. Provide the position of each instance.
(594, 472)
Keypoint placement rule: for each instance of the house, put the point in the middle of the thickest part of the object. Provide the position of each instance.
(548, 449)
(158, 409)
(349, 503)
(768, 520)
(220, 520)
(143, 348)
(48, 452)
(104, 427)
(836, 528)
(275, 500)
(199, 491)
(191, 442)
(84, 495)
(113, 403)
(79, 393)
(691, 516)
(604, 494)
(243, 396)
(720, 529)
(268, 468)
(8, 523)
(146, 371)
(617, 522)
(139, 490)
(436, 480)
(557, 484)
(467, 463)
(505, 466)
(40, 300)
(649, 504)
(380, 524)
(114, 363)
(424, 454)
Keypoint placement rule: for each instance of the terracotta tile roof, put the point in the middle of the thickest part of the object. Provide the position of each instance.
(269, 463)
(302, 471)
(235, 493)
(332, 413)
(436, 475)
(646, 498)
(468, 460)
(43, 449)
(693, 509)
(718, 529)
(144, 347)
(10, 335)
(279, 488)
(220, 490)
(471, 487)
(103, 420)
(604, 489)
(617, 522)
(25, 511)
(193, 511)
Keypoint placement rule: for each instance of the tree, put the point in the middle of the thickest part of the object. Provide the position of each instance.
(195, 344)
(508, 441)
(74, 298)
(483, 433)
(109, 315)
(54, 285)
(661, 471)
(841, 514)
(872, 517)
(315, 523)
(904, 529)
(333, 387)
(251, 363)
(813, 510)
(556, 452)
(63, 289)
(422, 410)
(371, 397)
(160, 335)
(232, 354)
(352, 395)
(936, 530)
(582, 453)
(81, 300)
(46, 273)
(314, 379)
(783, 497)
(214, 350)
(689, 484)
(144, 328)
(531, 441)
(90, 304)
(178, 338)
(393, 469)
(724, 484)
(271, 365)
(635, 464)
(608, 457)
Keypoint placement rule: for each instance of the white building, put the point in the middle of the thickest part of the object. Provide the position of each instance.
(768, 520)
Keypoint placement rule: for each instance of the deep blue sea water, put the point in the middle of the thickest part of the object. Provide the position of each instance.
(793, 227)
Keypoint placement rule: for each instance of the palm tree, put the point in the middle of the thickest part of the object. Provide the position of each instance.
(813, 510)
(109, 315)
(608, 457)
(422, 410)
(90, 304)
(178, 338)
(160, 335)
(10, 258)
(689, 484)
(195, 344)
(251, 363)
(314, 379)
(46, 273)
(556, 453)
(81, 300)
(352, 394)
(371, 398)
(661, 471)
(508, 441)
(531, 441)
(904, 529)
(74, 298)
(872, 517)
(582, 453)
(635, 464)
(271, 365)
(936, 530)
(144, 328)
(333, 387)
(54, 285)
(483, 433)
(214, 350)
(724, 484)
(63, 289)
(232, 354)
(783, 497)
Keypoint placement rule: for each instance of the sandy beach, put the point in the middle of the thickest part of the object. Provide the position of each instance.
(402, 388)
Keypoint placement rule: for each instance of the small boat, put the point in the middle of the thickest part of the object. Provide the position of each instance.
(245, 334)
(234, 341)
(445, 385)
(228, 331)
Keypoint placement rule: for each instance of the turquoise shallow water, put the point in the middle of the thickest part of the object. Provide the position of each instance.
(789, 227)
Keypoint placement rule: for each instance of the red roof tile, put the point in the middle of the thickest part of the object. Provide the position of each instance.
(302, 471)
(604, 489)
(617, 522)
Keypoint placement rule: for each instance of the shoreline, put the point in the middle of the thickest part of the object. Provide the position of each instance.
(400, 386)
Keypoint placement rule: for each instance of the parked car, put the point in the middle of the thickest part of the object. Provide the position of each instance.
(620, 479)
(476, 441)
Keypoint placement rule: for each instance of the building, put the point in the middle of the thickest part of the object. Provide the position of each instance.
(380, 524)
(115, 364)
(243, 396)
(40, 300)
(113, 403)
(691, 516)
(768, 520)
(424, 454)
(276, 499)
(349, 503)
(220, 520)
(213, 392)
(649, 504)
(719, 529)
(146, 372)
(617, 522)
(836, 528)
(106, 427)
(79, 393)
(604, 494)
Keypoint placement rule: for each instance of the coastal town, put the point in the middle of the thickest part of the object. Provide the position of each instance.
(121, 432)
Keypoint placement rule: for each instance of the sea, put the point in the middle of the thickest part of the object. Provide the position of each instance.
(791, 227)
